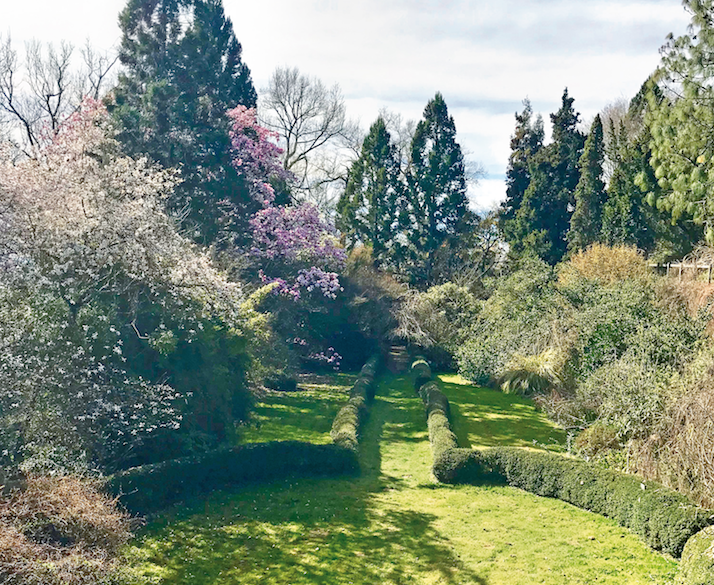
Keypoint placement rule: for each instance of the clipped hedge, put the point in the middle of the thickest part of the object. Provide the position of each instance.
(153, 487)
(441, 438)
(663, 518)
(697, 564)
(421, 372)
(349, 419)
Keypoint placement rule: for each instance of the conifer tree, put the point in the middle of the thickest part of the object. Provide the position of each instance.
(526, 141)
(436, 190)
(586, 221)
(541, 223)
(182, 73)
(367, 212)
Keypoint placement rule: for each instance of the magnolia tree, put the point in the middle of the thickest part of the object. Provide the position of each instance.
(293, 246)
(111, 322)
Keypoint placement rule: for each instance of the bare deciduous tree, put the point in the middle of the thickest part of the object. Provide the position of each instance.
(318, 140)
(38, 94)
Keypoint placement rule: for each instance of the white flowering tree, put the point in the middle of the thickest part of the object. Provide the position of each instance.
(113, 327)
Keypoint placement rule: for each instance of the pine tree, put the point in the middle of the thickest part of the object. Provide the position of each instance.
(182, 73)
(526, 141)
(586, 221)
(436, 190)
(368, 210)
(541, 223)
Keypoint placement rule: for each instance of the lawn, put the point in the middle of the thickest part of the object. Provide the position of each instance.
(303, 415)
(393, 524)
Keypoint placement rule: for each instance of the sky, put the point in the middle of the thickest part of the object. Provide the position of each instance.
(484, 56)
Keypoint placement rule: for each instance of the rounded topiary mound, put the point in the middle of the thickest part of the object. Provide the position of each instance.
(697, 565)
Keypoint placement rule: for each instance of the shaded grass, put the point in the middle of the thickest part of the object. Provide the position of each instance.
(482, 417)
(392, 525)
(304, 415)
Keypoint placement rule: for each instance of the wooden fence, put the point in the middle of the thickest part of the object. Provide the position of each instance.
(677, 268)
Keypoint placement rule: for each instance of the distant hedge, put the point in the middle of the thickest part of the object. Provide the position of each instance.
(347, 423)
(663, 518)
(697, 564)
(152, 487)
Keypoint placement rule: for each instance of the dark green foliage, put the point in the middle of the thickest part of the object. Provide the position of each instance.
(368, 210)
(526, 141)
(586, 221)
(540, 224)
(663, 518)
(697, 564)
(182, 73)
(437, 212)
(347, 423)
(153, 487)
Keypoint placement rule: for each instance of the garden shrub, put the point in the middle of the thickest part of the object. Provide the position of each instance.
(349, 419)
(606, 264)
(438, 320)
(280, 382)
(663, 518)
(596, 439)
(153, 487)
(697, 564)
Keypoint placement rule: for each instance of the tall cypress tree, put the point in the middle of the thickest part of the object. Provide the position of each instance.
(182, 72)
(436, 190)
(526, 141)
(586, 221)
(541, 223)
(367, 212)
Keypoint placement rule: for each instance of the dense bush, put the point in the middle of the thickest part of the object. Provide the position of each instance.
(663, 518)
(697, 564)
(522, 317)
(153, 487)
(438, 320)
(61, 531)
(349, 419)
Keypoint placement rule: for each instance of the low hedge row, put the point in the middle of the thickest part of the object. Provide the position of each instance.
(152, 487)
(347, 423)
(663, 518)
(441, 438)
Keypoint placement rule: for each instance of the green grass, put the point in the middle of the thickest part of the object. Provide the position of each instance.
(391, 525)
(304, 415)
(482, 417)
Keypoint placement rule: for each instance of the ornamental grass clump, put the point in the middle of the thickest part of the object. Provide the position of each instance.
(528, 375)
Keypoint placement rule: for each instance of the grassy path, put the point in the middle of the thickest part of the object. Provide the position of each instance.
(393, 525)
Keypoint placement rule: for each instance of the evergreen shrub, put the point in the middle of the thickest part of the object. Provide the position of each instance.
(697, 564)
(345, 427)
(153, 487)
(421, 372)
(663, 518)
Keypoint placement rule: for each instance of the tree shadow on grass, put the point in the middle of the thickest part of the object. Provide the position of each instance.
(334, 531)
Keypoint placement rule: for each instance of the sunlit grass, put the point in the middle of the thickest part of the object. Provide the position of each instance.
(304, 415)
(482, 417)
(392, 525)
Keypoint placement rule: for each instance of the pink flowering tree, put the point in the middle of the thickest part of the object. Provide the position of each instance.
(292, 245)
